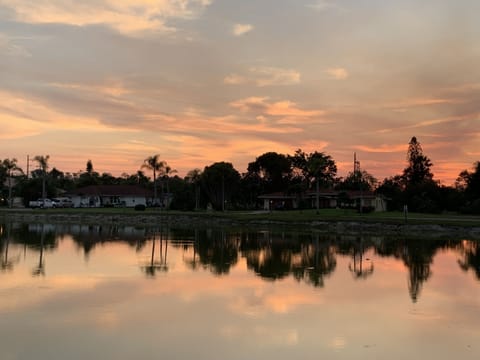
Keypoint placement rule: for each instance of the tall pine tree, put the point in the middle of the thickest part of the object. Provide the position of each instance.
(418, 170)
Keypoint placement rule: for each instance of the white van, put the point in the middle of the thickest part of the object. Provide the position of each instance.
(63, 202)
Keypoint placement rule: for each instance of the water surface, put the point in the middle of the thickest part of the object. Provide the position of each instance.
(113, 292)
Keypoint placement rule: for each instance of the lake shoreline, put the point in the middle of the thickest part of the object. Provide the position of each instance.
(390, 227)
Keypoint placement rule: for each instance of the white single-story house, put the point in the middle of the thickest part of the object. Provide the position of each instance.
(110, 196)
(279, 201)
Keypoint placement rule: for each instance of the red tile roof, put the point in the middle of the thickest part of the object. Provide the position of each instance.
(112, 190)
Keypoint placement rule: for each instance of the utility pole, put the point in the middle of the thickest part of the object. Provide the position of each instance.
(358, 175)
(223, 192)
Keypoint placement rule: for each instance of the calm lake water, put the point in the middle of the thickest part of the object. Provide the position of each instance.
(100, 292)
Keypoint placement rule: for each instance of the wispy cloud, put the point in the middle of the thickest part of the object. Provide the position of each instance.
(242, 29)
(265, 76)
(129, 17)
(9, 47)
(262, 105)
(323, 5)
(381, 148)
(235, 79)
(113, 88)
(337, 73)
(417, 102)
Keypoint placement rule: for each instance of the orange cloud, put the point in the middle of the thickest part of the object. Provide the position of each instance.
(242, 29)
(129, 17)
(337, 73)
(28, 117)
(110, 87)
(382, 148)
(403, 105)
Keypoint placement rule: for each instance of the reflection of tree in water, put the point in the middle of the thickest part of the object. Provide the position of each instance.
(159, 264)
(194, 263)
(40, 268)
(360, 266)
(7, 262)
(275, 256)
(38, 237)
(87, 237)
(418, 255)
(269, 255)
(272, 261)
(317, 259)
(217, 251)
(470, 252)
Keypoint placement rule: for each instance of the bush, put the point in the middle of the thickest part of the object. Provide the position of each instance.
(471, 208)
(367, 209)
(140, 207)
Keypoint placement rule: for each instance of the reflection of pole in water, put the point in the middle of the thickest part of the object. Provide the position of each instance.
(40, 269)
(153, 265)
(6, 264)
(153, 250)
(163, 258)
(357, 269)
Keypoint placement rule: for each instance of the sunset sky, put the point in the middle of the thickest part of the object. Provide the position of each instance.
(200, 81)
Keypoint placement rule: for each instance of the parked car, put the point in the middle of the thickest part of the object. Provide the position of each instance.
(63, 202)
(42, 203)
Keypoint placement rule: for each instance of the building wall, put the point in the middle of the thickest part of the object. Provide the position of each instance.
(97, 201)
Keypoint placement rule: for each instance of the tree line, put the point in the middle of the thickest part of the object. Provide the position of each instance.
(222, 187)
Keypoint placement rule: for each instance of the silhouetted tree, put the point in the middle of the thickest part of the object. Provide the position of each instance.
(89, 176)
(156, 165)
(8, 167)
(274, 169)
(193, 177)
(418, 169)
(315, 167)
(220, 182)
(470, 184)
(358, 180)
(473, 182)
(43, 167)
(167, 172)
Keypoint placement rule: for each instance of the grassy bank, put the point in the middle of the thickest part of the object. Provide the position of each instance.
(296, 216)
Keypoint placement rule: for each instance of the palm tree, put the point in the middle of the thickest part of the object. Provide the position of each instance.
(10, 165)
(43, 165)
(194, 177)
(167, 171)
(155, 164)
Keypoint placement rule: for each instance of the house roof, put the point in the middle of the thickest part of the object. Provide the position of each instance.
(324, 193)
(277, 195)
(353, 194)
(112, 190)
